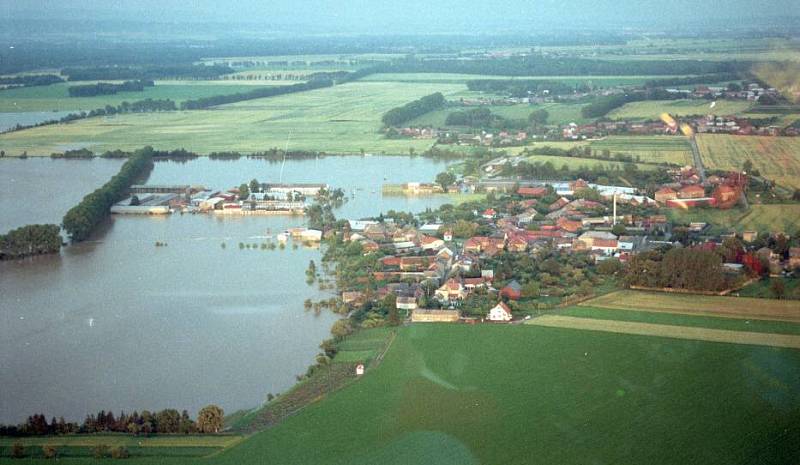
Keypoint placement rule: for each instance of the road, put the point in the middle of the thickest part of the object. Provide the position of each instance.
(698, 162)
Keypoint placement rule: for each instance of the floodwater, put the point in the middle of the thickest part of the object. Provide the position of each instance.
(118, 323)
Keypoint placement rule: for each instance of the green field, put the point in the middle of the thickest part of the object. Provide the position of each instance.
(759, 217)
(56, 97)
(651, 149)
(777, 158)
(342, 119)
(652, 109)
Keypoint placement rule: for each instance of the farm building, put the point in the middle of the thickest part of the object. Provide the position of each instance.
(423, 315)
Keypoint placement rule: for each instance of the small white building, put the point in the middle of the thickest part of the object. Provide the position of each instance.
(500, 312)
(311, 235)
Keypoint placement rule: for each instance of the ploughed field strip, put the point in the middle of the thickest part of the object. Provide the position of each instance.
(686, 304)
(678, 332)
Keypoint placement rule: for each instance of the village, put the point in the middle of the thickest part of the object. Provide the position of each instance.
(448, 271)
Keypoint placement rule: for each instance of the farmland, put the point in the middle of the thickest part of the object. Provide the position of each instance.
(759, 217)
(444, 395)
(56, 98)
(730, 307)
(342, 119)
(652, 149)
(777, 158)
(652, 109)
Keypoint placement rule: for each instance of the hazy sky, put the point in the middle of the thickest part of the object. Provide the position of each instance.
(408, 15)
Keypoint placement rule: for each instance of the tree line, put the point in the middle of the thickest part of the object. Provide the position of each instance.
(118, 73)
(702, 79)
(411, 110)
(210, 419)
(537, 65)
(33, 239)
(82, 219)
(108, 88)
(30, 80)
(269, 91)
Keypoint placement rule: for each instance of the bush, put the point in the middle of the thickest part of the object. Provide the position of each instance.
(17, 450)
(49, 452)
(120, 452)
(100, 451)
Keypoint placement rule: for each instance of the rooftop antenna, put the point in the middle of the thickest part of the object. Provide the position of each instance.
(285, 149)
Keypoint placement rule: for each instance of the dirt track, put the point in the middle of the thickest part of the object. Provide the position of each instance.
(678, 332)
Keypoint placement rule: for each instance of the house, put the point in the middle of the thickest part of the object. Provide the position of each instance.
(512, 290)
(471, 284)
(517, 243)
(664, 194)
(500, 312)
(352, 297)
(423, 315)
(448, 235)
(726, 196)
(794, 258)
(532, 191)
(451, 291)
(569, 225)
(749, 236)
(406, 303)
(692, 191)
(606, 246)
(489, 214)
(431, 243)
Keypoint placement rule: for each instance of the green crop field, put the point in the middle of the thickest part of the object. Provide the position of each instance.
(342, 119)
(651, 149)
(56, 97)
(459, 394)
(759, 217)
(652, 109)
(777, 158)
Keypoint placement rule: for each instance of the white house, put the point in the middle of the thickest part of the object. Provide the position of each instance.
(500, 312)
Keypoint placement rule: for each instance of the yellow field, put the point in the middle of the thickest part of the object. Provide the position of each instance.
(777, 158)
(689, 304)
(678, 332)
